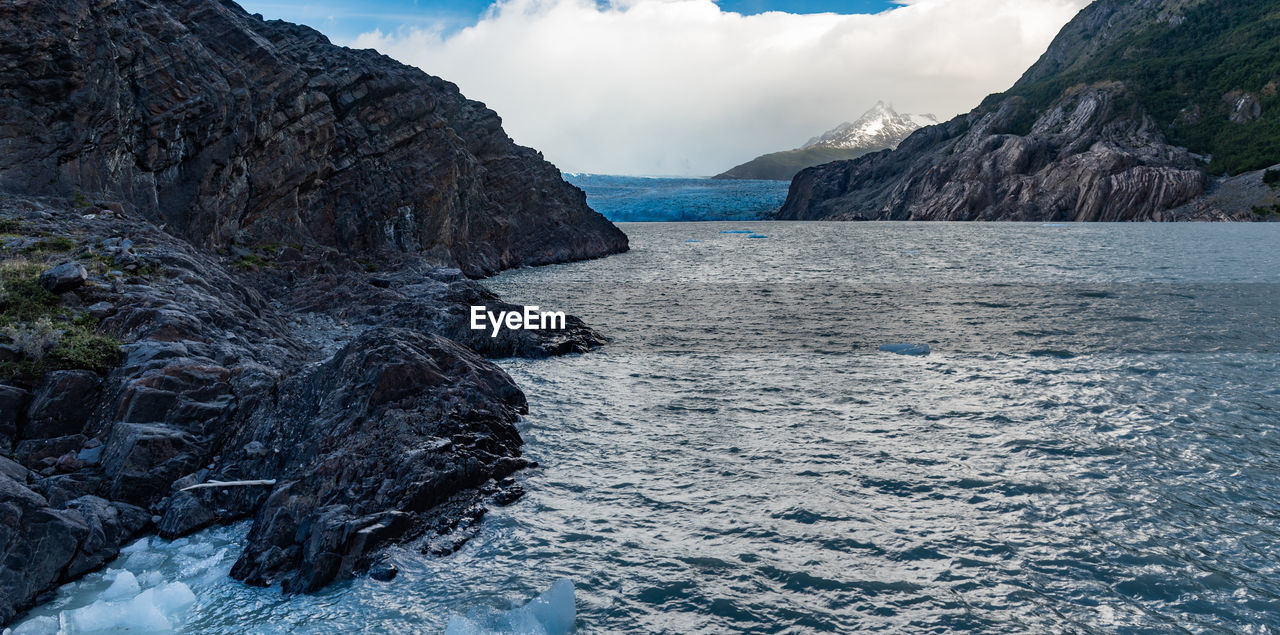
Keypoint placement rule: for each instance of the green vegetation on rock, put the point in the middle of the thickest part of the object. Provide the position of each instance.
(1208, 72)
(49, 336)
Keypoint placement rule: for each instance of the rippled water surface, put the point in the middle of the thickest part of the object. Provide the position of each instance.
(1091, 445)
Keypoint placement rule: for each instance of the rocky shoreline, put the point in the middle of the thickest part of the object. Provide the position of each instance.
(354, 391)
(232, 251)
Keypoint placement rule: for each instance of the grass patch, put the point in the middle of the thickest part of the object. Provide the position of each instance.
(52, 244)
(51, 336)
(10, 226)
(251, 261)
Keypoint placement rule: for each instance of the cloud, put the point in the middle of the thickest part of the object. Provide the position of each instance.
(682, 87)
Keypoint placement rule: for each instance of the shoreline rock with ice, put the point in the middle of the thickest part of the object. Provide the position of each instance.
(277, 235)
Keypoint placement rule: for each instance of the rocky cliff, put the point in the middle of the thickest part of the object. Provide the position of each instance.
(1085, 135)
(229, 129)
(230, 251)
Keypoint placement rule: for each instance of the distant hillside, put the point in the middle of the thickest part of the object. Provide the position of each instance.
(880, 128)
(1135, 112)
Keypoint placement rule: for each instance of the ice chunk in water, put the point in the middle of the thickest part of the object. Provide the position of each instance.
(152, 610)
(125, 586)
(551, 613)
(172, 599)
(42, 625)
(905, 349)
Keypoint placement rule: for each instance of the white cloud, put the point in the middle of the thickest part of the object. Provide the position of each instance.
(681, 87)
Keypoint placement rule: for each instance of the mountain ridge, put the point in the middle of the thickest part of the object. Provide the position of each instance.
(1124, 117)
(879, 128)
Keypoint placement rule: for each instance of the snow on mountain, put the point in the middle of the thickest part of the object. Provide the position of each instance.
(881, 127)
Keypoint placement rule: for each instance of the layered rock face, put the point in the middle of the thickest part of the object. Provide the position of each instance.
(225, 128)
(1092, 156)
(1068, 142)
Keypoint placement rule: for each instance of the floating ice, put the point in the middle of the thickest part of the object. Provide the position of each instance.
(905, 348)
(736, 231)
(693, 240)
(138, 592)
(36, 626)
(153, 610)
(1057, 224)
(757, 236)
(125, 586)
(551, 613)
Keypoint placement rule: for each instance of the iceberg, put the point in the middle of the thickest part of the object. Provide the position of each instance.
(757, 236)
(736, 231)
(903, 348)
(552, 613)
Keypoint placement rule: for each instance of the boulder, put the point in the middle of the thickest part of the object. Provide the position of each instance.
(65, 277)
(141, 461)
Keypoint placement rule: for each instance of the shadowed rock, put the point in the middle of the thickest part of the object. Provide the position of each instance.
(63, 278)
(226, 128)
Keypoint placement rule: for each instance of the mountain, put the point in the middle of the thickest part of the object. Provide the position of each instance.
(230, 129)
(232, 251)
(1139, 110)
(878, 129)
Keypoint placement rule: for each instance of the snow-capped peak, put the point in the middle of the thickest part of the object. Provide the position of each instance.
(880, 127)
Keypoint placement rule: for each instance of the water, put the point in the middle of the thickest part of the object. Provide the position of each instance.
(1091, 444)
(636, 198)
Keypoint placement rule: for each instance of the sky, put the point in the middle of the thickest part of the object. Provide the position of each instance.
(694, 87)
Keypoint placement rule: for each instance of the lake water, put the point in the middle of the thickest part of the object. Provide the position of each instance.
(1093, 442)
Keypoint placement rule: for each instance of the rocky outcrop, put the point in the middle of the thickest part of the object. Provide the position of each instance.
(229, 129)
(1092, 156)
(1067, 143)
(294, 366)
